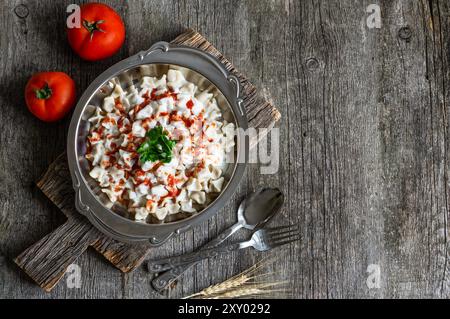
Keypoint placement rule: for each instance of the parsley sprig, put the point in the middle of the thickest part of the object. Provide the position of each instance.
(157, 146)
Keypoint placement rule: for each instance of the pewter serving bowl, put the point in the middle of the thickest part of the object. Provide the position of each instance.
(200, 68)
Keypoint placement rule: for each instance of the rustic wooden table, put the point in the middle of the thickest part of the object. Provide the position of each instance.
(364, 149)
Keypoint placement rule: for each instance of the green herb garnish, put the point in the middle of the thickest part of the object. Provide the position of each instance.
(157, 146)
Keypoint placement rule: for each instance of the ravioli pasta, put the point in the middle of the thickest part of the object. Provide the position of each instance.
(187, 115)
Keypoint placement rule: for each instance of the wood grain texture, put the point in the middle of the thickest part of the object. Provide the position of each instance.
(47, 260)
(364, 149)
(56, 184)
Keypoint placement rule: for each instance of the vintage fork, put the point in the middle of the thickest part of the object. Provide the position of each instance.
(261, 240)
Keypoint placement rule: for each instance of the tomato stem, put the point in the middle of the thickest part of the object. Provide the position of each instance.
(44, 93)
(93, 26)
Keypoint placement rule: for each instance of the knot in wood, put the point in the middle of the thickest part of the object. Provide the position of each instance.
(21, 11)
(405, 33)
(312, 64)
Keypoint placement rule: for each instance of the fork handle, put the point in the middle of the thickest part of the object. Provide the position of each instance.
(162, 281)
(196, 256)
(160, 265)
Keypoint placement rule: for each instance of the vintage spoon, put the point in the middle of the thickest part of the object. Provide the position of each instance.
(253, 213)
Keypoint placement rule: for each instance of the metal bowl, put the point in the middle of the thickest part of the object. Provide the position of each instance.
(206, 72)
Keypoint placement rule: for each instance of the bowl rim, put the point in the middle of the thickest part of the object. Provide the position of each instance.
(126, 65)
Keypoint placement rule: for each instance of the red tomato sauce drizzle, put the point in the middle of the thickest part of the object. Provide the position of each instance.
(135, 172)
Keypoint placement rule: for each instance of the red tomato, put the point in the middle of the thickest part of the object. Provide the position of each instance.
(50, 95)
(101, 34)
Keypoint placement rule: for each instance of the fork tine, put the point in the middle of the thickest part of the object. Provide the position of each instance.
(284, 242)
(284, 232)
(275, 240)
(281, 237)
(282, 228)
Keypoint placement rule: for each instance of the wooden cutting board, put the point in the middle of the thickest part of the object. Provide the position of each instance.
(47, 260)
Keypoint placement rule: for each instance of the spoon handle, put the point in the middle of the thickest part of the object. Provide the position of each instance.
(156, 266)
(160, 265)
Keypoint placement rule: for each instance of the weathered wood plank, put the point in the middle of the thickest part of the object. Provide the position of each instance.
(368, 180)
(33, 40)
(364, 151)
(47, 260)
(77, 234)
(56, 184)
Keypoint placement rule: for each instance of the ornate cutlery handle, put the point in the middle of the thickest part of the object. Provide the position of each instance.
(165, 264)
(179, 264)
(193, 257)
